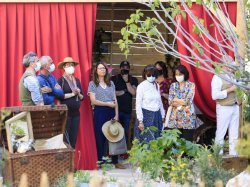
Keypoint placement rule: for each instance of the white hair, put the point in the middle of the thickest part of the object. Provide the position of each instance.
(44, 60)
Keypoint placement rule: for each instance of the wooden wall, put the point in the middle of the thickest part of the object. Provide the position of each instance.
(111, 18)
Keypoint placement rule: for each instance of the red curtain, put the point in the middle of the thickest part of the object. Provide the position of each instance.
(57, 30)
(202, 79)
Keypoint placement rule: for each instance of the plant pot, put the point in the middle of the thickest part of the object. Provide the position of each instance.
(19, 136)
(112, 184)
(84, 184)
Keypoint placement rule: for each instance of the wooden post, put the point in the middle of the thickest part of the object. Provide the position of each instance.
(70, 180)
(218, 183)
(24, 181)
(201, 184)
(44, 182)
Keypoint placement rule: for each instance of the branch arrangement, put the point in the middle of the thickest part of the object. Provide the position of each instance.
(199, 43)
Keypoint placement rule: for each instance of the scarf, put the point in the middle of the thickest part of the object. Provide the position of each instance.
(71, 81)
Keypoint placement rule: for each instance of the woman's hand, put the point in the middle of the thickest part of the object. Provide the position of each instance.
(116, 118)
(165, 95)
(178, 102)
(141, 126)
(111, 104)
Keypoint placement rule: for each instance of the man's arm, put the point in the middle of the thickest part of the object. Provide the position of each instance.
(32, 84)
(217, 92)
(57, 91)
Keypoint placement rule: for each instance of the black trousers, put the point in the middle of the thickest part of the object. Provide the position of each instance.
(71, 130)
(186, 134)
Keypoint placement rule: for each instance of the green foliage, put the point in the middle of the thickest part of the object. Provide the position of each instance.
(106, 165)
(156, 157)
(243, 145)
(82, 177)
(112, 179)
(17, 131)
(198, 47)
(179, 170)
(209, 163)
(61, 181)
(246, 108)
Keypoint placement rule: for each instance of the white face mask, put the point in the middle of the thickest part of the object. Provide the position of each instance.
(52, 68)
(180, 78)
(69, 70)
(151, 79)
(38, 66)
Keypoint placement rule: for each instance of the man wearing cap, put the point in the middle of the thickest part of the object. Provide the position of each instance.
(29, 89)
(125, 86)
(48, 83)
(227, 110)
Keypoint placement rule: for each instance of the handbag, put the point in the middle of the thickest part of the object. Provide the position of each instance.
(168, 116)
(117, 148)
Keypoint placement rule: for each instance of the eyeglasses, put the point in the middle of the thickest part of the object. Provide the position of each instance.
(102, 68)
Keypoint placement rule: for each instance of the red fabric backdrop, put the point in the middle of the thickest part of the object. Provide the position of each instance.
(202, 79)
(57, 30)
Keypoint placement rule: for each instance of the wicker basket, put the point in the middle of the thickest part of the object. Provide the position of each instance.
(47, 122)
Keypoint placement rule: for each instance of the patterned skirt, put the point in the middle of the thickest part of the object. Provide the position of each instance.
(150, 118)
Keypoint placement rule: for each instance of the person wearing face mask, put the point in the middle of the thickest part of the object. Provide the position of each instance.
(227, 109)
(125, 86)
(163, 81)
(181, 95)
(149, 107)
(48, 83)
(73, 95)
(29, 88)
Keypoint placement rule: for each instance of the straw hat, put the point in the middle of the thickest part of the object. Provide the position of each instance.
(67, 60)
(113, 131)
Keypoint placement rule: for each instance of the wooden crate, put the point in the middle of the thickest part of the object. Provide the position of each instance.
(237, 163)
(47, 122)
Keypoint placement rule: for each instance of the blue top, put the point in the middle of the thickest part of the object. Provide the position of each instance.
(51, 82)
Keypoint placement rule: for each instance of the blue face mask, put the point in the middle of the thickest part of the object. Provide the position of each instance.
(151, 79)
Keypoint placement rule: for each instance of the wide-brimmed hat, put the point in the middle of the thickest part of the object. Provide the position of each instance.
(113, 131)
(65, 61)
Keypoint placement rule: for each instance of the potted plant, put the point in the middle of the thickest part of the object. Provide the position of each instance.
(17, 132)
(82, 178)
(112, 182)
(105, 164)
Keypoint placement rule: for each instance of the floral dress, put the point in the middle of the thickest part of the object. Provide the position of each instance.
(182, 117)
(164, 88)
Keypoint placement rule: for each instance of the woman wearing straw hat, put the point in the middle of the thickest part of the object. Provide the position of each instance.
(102, 95)
(72, 98)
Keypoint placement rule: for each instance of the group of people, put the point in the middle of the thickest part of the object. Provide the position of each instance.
(44, 89)
(111, 98)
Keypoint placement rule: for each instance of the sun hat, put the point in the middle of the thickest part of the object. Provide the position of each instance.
(65, 61)
(113, 131)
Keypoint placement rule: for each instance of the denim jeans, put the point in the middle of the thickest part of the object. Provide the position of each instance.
(124, 119)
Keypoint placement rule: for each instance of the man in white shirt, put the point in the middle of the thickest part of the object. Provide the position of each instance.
(227, 111)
